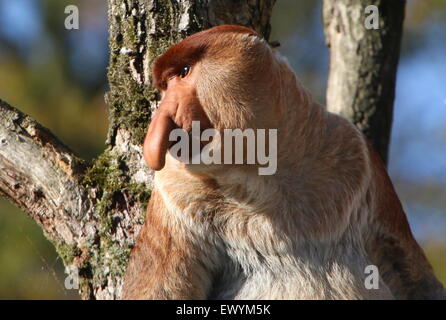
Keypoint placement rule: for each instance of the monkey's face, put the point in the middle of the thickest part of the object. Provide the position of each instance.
(223, 78)
(178, 108)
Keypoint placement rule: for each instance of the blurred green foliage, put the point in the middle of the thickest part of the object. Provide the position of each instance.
(51, 79)
(44, 93)
(29, 266)
(59, 78)
(436, 253)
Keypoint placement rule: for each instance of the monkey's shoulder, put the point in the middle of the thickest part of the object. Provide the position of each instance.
(339, 160)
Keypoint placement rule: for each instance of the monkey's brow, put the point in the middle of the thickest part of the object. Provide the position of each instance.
(173, 60)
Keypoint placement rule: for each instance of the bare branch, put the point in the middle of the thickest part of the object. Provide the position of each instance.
(41, 175)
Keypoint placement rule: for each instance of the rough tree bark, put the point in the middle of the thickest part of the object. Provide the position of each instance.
(92, 212)
(363, 64)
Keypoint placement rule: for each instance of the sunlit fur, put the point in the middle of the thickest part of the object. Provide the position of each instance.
(307, 232)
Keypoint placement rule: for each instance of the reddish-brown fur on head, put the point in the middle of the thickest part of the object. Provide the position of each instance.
(188, 52)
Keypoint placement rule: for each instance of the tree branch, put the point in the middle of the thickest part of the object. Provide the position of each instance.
(41, 175)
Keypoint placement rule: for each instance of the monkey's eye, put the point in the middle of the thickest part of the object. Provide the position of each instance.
(185, 71)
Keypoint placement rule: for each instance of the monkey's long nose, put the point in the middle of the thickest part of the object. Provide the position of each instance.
(157, 141)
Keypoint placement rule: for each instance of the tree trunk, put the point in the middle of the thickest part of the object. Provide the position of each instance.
(93, 212)
(363, 64)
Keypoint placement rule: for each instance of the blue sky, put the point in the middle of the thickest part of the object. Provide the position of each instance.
(418, 148)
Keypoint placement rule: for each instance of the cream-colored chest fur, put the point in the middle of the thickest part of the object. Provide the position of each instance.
(274, 246)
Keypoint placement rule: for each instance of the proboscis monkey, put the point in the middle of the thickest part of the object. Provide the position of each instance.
(223, 231)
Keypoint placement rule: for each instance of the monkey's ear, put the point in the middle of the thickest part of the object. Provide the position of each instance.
(157, 141)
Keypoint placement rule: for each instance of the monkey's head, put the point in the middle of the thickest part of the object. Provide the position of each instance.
(226, 77)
